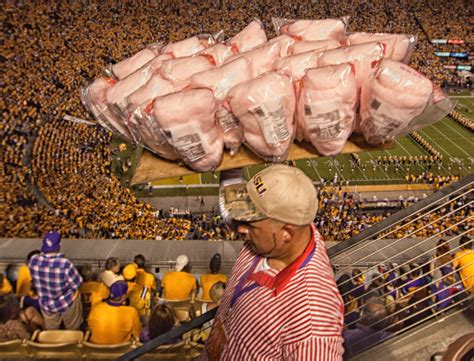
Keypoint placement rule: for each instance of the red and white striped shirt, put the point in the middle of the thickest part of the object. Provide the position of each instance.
(296, 318)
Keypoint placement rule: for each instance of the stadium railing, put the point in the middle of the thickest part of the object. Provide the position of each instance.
(357, 252)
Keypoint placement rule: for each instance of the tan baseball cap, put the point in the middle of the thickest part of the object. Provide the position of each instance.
(279, 192)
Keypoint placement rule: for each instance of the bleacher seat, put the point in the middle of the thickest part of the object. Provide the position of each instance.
(106, 352)
(175, 351)
(56, 344)
(13, 349)
(180, 307)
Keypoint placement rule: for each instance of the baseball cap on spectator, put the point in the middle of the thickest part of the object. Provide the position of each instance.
(181, 262)
(279, 192)
(51, 242)
(130, 271)
(118, 289)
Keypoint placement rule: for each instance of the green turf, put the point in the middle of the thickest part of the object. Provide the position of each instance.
(451, 139)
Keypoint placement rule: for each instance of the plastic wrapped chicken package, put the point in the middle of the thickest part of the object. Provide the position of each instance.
(250, 37)
(398, 47)
(316, 45)
(265, 108)
(398, 100)
(310, 30)
(220, 80)
(326, 107)
(187, 120)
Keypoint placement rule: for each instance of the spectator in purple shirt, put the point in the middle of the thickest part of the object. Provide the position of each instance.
(57, 282)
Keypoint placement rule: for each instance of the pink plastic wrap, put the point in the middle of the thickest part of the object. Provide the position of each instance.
(219, 53)
(265, 107)
(260, 59)
(250, 37)
(295, 66)
(309, 30)
(286, 43)
(135, 62)
(326, 107)
(398, 47)
(186, 47)
(316, 45)
(363, 57)
(220, 81)
(94, 99)
(397, 101)
(181, 69)
(148, 132)
(187, 119)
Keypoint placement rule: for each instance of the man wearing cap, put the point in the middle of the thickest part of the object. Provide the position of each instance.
(111, 322)
(57, 282)
(139, 296)
(180, 284)
(209, 279)
(281, 301)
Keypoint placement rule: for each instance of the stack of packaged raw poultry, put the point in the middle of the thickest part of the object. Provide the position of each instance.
(191, 99)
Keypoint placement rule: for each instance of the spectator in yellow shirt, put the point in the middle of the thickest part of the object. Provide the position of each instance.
(144, 278)
(23, 282)
(139, 296)
(111, 322)
(208, 280)
(92, 291)
(5, 285)
(464, 263)
(179, 284)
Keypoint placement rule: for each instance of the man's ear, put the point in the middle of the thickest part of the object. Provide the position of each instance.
(287, 231)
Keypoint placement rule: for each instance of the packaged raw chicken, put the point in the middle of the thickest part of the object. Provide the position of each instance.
(94, 99)
(187, 119)
(398, 100)
(181, 69)
(326, 107)
(286, 43)
(145, 128)
(295, 66)
(260, 59)
(265, 107)
(250, 37)
(316, 45)
(220, 81)
(309, 30)
(362, 56)
(187, 47)
(135, 62)
(398, 47)
(218, 52)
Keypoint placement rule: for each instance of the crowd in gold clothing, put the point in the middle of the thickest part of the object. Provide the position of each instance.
(463, 120)
(52, 50)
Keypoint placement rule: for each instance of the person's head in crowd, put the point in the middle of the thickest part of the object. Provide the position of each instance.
(9, 308)
(182, 264)
(415, 270)
(130, 272)
(274, 210)
(465, 242)
(215, 263)
(140, 261)
(32, 253)
(442, 251)
(217, 292)
(113, 264)
(86, 272)
(357, 276)
(162, 320)
(374, 315)
(118, 292)
(51, 242)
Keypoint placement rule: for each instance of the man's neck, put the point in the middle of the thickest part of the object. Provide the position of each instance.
(299, 245)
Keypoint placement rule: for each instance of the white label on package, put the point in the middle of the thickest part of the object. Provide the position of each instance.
(227, 120)
(385, 119)
(324, 119)
(188, 140)
(272, 123)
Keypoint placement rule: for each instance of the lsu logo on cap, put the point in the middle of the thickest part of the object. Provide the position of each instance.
(259, 185)
(49, 242)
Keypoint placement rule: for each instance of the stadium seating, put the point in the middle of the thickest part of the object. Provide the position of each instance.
(64, 344)
(14, 349)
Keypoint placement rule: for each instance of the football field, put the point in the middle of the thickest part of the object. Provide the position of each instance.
(448, 137)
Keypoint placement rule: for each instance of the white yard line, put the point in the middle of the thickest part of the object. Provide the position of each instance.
(457, 146)
(312, 164)
(386, 176)
(337, 169)
(454, 129)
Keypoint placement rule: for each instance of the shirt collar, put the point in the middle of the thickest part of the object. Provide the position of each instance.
(53, 255)
(279, 282)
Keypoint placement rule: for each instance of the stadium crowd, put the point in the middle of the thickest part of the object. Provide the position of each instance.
(56, 174)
